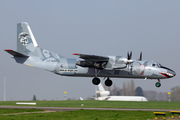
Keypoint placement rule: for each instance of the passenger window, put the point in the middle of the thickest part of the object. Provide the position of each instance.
(153, 65)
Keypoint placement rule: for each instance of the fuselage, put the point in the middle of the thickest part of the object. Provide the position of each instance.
(122, 98)
(138, 69)
(67, 67)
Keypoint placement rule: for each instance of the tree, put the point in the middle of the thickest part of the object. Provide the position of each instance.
(124, 89)
(132, 88)
(114, 90)
(139, 91)
(175, 94)
(34, 97)
(151, 95)
(118, 93)
(128, 89)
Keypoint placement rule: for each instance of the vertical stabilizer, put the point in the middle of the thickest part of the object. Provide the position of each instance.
(25, 39)
(102, 92)
(101, 88)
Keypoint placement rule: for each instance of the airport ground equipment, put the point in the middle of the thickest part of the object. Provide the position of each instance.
(160, 114)
(175, 112)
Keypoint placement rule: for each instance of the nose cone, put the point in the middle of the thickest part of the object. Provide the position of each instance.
(168, 74)
(172, 72)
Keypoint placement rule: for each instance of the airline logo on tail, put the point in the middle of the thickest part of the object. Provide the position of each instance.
(23, 38)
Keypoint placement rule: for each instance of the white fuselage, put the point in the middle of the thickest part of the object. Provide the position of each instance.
(122, 98)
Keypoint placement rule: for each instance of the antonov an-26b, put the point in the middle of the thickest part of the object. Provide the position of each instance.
(29, 53)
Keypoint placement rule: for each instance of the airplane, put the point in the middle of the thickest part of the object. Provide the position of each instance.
(80, 98)
(30, 54)
(104, 95)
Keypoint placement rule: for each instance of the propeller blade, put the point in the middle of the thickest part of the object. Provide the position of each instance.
(129, 55)
(140, 56)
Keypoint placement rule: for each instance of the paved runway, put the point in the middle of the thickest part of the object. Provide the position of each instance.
(75, 108)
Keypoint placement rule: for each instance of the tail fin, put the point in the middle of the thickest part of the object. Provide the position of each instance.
(101, 88)
(102, 92)
(25, 39)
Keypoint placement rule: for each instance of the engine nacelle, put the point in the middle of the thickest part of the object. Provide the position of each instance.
(103, 93)
(85, 63)
(99, 65)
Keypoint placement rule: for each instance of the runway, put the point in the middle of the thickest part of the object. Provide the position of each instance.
(79, 108)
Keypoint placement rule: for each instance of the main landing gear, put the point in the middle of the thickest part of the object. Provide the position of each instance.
(96, 81)
(158, 84)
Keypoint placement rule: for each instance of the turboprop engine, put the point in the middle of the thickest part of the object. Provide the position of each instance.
(99, 65)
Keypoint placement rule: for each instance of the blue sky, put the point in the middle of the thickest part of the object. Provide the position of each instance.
(100, 27)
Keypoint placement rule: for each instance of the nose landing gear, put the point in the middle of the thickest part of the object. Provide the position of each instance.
(158, 84)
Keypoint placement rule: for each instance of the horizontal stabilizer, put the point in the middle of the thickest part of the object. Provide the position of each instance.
(15, 54)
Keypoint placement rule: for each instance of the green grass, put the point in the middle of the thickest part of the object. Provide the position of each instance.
(84, 115)
(88, 114)
(100, 104)
(7, 111)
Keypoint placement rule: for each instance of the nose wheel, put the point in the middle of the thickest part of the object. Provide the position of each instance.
(158, 84)
(96, 81)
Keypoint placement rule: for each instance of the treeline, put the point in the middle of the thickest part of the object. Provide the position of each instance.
(175, 94)
(128, 89)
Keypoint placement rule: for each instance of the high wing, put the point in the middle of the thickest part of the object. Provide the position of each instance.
(95, 61)
(92, 57)
(103, 62)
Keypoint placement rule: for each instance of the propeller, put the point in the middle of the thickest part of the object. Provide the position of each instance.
(129, 56)
(140, 58)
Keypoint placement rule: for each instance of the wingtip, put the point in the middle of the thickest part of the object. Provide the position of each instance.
(76, 54)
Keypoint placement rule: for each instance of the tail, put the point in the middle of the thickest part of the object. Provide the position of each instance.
(102, 92)
(29, 53)
(26, 42)
(101, 88)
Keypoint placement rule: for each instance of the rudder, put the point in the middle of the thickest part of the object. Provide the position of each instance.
(25, 39)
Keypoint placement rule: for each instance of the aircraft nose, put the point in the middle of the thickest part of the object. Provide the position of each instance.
(169, 74)
(172, 72)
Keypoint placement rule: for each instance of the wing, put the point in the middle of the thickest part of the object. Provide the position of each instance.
(95, 61)
(92, 57)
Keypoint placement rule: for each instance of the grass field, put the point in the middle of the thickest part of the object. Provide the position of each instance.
(87, 114)
(100, 104)
(7, 111)
(83, 115)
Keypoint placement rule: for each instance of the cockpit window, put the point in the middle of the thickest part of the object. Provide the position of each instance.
(157, 65)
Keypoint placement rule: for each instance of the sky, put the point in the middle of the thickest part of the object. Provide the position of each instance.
(100, 27)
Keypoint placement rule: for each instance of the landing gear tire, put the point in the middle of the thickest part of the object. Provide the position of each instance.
(96, 81)
(158, 84)
(108, 82)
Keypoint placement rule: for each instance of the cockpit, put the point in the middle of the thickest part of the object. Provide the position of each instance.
(158, 65)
